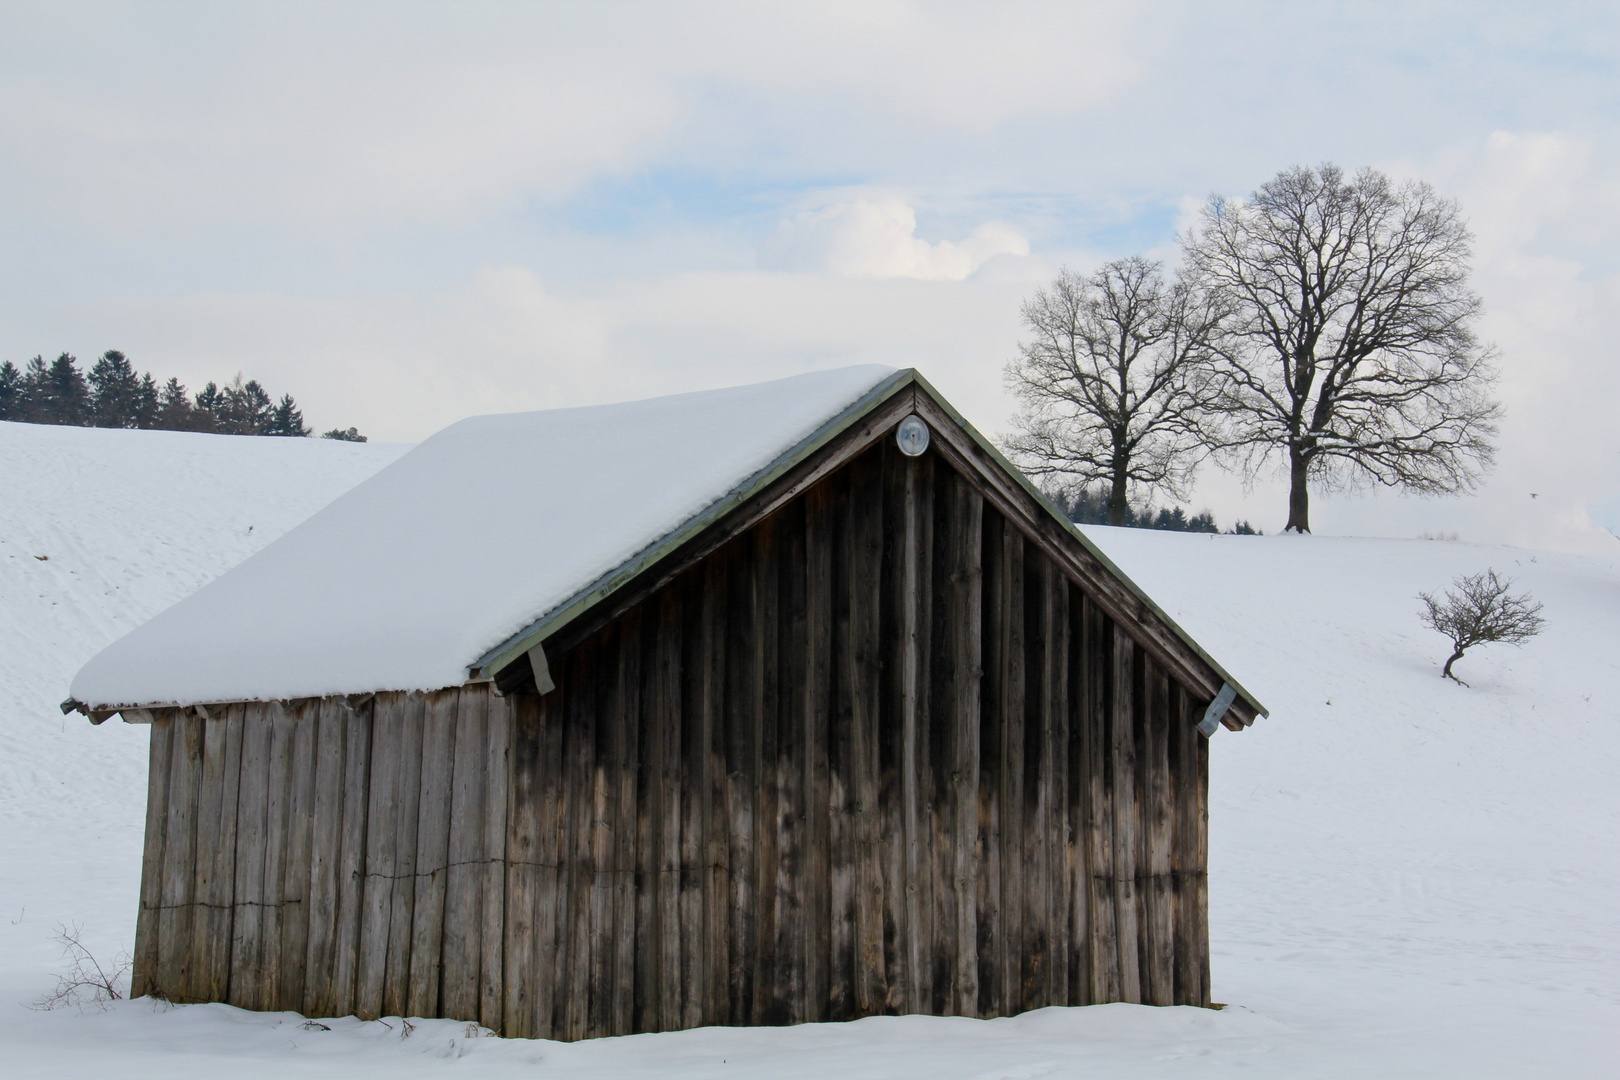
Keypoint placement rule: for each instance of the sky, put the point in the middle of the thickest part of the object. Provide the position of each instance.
(405, 214)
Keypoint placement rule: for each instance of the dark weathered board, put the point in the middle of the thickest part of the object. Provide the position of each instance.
(881, 751)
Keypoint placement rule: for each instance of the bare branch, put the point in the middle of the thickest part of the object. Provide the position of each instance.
(87, 980)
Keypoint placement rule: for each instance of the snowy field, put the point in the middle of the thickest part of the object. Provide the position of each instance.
(1409, 878)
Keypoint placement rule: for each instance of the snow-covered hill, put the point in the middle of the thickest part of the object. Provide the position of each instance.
(1409, 878)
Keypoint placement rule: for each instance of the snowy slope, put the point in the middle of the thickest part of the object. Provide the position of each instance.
(1408, 878)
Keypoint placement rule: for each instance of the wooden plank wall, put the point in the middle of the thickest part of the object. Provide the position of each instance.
(329, 857)
(874, 755)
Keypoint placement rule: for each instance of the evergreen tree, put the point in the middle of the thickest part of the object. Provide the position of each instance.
(146, 402)
(210, 404)
(350, 435)
(247, 409)
(287, 419)
(114, 392)
(66, 394)
(13, 393)
(174, 411)
(36, 377)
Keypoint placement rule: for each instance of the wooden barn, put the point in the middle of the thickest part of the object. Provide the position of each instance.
(784, 703)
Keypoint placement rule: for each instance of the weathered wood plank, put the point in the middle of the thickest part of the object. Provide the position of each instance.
(247, 926)
(839, 997)
(677, 982)
(742, 710)
(788, 766)
(216, 851)
(627, 717)
(766, 1008)
(1158, 900)
(913, 630)
(604, 793)
(1042, 844)
(966, 646)
(691, 691)
(433, 850)
(827, 508)
(296, 911)
(147, 976)
(462, 942)
(1184, 784)
(522, 971)
(411, 710)
(1080, 692)
(176, 967)
(716, 850)
(578, 763)
(1059, 896)
(652, 737)
(1201, 842)
(357, 721)
(1125, 723)
(933, 979)
(1100, 773)
(1015, 834)
(277, 816)
(326, 846)
(865, 577)
(381, 852)
(492, 970)
(892, 731)
(550, 949)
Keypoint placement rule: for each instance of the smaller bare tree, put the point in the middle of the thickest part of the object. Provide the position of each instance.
(1115, 381)
(87, 981)
(1480, 611)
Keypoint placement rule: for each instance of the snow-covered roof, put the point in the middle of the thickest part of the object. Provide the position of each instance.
(409, 579)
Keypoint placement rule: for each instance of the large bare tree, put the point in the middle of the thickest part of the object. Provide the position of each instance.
(1114, 381)
(1349, 350)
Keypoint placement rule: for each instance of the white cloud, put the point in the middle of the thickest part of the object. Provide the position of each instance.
(350, 119)
(877, 238)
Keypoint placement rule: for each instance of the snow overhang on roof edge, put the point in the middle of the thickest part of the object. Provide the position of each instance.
(518, 645)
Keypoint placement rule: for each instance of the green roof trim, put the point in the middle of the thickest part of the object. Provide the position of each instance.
(516, 646)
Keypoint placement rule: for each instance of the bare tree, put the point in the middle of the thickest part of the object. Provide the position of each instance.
(1115, 381)
(1350, 348)
(1480, 611)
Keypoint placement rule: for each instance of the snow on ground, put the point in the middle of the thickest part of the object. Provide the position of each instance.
(1409, 878)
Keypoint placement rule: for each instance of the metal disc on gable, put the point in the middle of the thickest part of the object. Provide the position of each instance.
(912, 435)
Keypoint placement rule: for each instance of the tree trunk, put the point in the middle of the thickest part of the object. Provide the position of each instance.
(1446, 672)
(1117, 505)
(1299, 496)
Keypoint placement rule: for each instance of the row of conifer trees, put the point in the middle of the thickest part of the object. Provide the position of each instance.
(113, 395)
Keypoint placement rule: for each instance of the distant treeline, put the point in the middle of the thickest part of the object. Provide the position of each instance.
(112, 395)
(1089, 506)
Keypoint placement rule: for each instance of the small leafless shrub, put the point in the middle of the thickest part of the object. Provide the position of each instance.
(1479, 610)
(87, 980)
